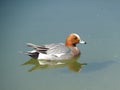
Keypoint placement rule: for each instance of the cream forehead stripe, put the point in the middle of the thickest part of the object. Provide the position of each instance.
(76, 35)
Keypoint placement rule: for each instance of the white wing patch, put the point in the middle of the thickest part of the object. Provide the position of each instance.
(43, 56)
(49, 56)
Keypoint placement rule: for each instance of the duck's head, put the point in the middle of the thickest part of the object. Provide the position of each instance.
(73, 39)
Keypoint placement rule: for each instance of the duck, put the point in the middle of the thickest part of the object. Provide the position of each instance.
(57, 51)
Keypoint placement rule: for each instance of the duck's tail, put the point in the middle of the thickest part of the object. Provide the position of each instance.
(33, 54)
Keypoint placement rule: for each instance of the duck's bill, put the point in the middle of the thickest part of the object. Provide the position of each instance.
(83, 42)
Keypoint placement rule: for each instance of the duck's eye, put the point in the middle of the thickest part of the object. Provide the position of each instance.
(75, 38)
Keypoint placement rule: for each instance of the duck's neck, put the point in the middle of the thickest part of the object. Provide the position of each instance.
(70, 44)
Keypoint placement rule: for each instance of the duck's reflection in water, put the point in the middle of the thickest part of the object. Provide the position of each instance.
(72, 64)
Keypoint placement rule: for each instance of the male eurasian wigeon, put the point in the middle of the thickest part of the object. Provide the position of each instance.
(58, 51)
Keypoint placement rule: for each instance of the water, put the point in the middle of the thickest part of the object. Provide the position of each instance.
(43, 22)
